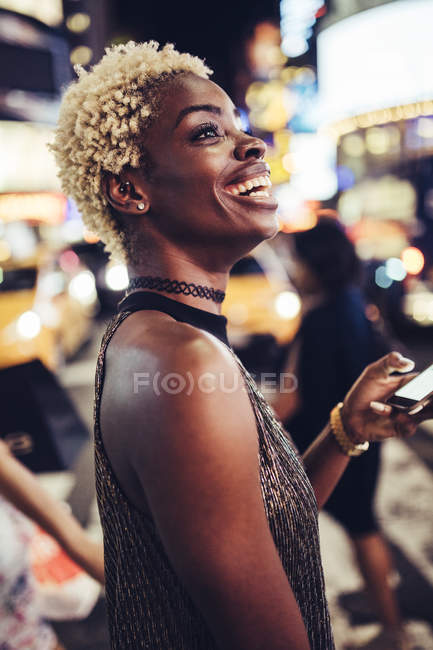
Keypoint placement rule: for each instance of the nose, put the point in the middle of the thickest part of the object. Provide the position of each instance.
(249, 147)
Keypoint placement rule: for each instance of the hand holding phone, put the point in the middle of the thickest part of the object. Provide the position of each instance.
(367, 412)
(415, 395)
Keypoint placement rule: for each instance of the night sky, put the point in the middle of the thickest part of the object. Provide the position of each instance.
(214, 31)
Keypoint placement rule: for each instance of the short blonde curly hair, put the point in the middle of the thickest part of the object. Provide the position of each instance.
(100, 116)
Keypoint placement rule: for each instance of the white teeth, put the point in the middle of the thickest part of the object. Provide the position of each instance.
(259, 181)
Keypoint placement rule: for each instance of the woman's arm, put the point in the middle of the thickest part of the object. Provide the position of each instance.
(25, 492)
(196, 456)
(325, 463)
(324, 460)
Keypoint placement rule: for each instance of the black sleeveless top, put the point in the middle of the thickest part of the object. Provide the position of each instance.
(148, 606)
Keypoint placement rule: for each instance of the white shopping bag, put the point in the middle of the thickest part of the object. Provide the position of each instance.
(65, 591)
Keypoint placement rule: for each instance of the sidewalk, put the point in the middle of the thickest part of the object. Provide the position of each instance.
(404, 506)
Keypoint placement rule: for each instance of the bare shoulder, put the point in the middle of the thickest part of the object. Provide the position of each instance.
(173, 396)
(154, 342)
(161, 374)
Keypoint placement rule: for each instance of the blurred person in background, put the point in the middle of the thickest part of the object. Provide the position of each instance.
(23, 500)
(335, 342)
(209, 516)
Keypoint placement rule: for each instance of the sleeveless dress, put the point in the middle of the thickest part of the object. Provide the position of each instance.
(148, 606)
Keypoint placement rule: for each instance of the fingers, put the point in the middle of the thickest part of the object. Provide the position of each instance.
(422, 412)
(393, 424)
(396, 362)
(416, 409)
(392, 362)
(380, 409)
(402, 424)
(425, 414)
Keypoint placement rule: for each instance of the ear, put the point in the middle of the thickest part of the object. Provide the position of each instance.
(125, 194)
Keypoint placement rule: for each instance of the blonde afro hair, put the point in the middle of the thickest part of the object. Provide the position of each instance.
(101, 115)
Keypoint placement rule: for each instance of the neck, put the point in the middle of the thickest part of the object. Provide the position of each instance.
(178, 267)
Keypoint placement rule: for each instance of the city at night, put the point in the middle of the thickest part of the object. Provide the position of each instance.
(216, 325)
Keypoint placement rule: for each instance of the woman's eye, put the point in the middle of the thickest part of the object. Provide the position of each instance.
(207, 131)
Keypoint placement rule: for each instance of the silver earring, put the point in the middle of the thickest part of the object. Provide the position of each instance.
(140, 206)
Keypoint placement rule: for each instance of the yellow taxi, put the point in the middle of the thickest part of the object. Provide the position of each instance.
(46, 307)
(262, 308)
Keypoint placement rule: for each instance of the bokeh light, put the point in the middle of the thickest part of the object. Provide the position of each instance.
(82, 287)
(81, 55)
(346, 178)
(29, 325)
(116, 277)
(90, 237)
(395, 269)
(425, 127)
(287, 304)
(413, 260)
(377, 140)
(69, 261)
(353, 145)
(78, 22)
(382, 279)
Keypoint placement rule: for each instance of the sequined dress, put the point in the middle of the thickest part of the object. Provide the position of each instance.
(148, 606)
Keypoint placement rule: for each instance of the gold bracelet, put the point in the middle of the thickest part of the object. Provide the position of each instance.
(347, 446)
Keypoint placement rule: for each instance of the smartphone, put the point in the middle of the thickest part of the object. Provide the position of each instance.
(414, 395)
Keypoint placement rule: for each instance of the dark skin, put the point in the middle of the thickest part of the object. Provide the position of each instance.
(192, 460)
(185, 201)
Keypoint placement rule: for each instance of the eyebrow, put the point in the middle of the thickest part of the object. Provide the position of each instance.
(208, 108)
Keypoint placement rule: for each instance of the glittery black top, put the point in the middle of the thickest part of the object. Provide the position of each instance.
(148, 606)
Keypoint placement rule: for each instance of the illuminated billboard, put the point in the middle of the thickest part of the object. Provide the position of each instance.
(43, 207)
(25, 162)
(376, 59)
(47, 11)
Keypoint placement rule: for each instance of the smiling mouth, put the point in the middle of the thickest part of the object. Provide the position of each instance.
(259, 186)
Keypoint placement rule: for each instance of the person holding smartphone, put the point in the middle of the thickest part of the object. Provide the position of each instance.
(333, 345)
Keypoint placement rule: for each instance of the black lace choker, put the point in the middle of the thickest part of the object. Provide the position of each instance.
(174, 286)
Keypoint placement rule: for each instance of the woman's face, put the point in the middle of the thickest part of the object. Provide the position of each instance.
(200, 161)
